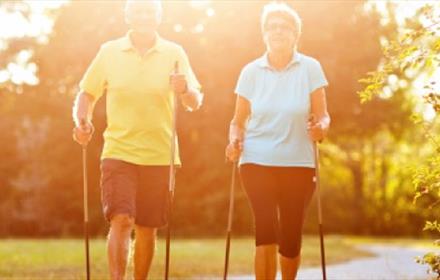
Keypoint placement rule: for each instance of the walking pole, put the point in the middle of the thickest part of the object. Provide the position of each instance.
(172, 177)
(86, 202)
(318, 192)
(230, 216)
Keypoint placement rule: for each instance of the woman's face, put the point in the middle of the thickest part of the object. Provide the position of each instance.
(279, 35)
(142, 16)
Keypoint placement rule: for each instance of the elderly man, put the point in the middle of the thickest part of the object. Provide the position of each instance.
(137, 73)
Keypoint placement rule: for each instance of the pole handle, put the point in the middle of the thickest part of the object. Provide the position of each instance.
(176, 67)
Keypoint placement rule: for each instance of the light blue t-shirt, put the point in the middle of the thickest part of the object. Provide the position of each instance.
(276, 134)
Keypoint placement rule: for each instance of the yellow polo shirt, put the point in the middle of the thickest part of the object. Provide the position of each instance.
(139, 98)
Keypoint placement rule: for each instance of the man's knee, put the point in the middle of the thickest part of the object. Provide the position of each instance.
(145, 232)
(122, 222)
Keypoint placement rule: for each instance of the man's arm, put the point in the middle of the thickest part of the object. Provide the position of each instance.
(83, 108)
(192, 99)
(82, 116)
(185, 83)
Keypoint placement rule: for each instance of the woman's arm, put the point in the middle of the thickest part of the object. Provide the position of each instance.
(237, 128)
(319, 123)
(238, 123)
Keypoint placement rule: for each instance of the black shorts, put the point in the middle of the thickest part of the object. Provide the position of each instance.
(279, 197)
(135, 190)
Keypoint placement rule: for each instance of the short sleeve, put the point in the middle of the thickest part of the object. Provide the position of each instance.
(317, 77)
(246, 83)
(94, 80)
(185, 68)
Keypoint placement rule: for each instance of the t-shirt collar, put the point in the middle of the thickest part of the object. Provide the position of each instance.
(264, 61)
(127, 45)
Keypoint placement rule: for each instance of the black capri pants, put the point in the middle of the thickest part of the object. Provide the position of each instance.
(279, 197)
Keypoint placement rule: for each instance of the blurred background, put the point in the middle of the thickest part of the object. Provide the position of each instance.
(367, 161)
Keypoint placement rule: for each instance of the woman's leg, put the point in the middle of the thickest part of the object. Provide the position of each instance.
(258, 184)
(295, 190)
(266, 262)
(289, 267)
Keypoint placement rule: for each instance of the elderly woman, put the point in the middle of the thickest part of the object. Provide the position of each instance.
(280, 110)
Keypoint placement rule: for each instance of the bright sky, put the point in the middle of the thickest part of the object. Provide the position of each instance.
(18, 26)
(22, 70)
(39, 26)
(405, 8)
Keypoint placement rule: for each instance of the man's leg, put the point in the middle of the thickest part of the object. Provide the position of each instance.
(144, 248)
(266, 262)
(151, 213)
(118, 245)
(289, 267)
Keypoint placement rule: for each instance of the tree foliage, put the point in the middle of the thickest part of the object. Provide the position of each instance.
(412, 53)
(364, 188)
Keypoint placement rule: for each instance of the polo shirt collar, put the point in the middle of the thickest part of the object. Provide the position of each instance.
(127, 45)
(263, 61)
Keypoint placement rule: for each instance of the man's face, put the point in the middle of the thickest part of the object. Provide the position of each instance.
(142, 16)
(279, 34)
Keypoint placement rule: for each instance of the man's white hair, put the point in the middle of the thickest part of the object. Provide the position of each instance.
(280, 9)
(157, 3)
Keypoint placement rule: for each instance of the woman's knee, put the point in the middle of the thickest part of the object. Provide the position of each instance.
(267, 248)
(290, 251)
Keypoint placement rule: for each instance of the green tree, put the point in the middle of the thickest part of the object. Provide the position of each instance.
(410, 55)
(360, 171)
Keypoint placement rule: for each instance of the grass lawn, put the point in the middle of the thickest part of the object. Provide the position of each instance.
(190, 258)
(404, 242)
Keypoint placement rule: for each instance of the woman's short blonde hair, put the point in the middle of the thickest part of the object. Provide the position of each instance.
(280, 9)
